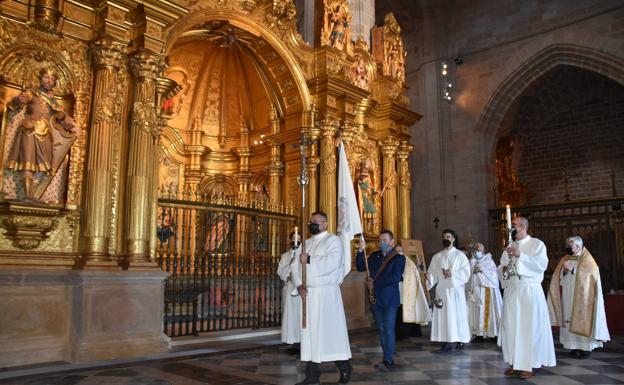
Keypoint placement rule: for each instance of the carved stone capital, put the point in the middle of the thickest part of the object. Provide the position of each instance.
(108, 55)
(26, 226)
(147, 65)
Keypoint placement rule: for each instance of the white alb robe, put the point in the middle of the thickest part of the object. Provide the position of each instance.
(325, 338)
(291, 304)
(600, 332)
(525, 335)
(450, 323)
(484, 300)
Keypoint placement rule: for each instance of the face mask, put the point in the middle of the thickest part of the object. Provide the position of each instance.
(314, 228)
(446, 243)
(385, 247)
(294, 245)
(478, 255)
(514, 234)
(569, 250)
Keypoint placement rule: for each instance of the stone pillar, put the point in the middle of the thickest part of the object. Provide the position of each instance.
(405, 187)
(107, 105)
(363, 13)
(327, 182)
(144, 133)
(389, 202)
(276, 169)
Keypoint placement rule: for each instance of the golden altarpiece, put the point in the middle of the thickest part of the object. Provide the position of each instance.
(122, 118)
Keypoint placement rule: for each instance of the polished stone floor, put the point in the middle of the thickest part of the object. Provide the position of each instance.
(417, 363)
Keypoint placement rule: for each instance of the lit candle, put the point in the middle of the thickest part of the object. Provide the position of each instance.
(508, 216)
(296, 234)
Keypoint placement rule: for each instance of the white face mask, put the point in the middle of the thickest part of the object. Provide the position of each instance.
(478, 255)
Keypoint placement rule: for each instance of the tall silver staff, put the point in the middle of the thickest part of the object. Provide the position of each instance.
(304, 181)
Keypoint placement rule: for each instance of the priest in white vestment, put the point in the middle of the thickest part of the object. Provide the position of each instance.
(291, 304)
(525, 335)
(325, 337)
(575, 301)
(449, 270)
(484, 300)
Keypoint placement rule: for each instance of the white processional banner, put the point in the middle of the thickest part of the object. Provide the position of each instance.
(349, 223)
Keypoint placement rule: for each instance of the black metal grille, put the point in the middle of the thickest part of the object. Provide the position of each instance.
(222, 256)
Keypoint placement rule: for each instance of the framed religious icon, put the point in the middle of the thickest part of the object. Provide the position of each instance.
(414, 250)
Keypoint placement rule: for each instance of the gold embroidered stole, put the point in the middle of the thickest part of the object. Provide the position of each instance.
(584, 301)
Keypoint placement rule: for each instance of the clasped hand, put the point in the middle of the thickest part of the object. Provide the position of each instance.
(567, 265)
(447, 273)
(512, 251)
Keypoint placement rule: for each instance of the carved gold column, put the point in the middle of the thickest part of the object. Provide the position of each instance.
(389, 203)
(144, 133)
(327, 180)
(313, 134)
(405, 186)
(107, 106)
(195, 150)
(276, 169)
(244, 153)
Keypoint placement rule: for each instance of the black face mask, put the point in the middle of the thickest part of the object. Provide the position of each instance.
(569, 250)
(446, 243)
(514, 234)
(294, 245)
(314, 228)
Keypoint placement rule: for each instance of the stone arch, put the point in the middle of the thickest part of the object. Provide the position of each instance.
(283, 60)
(506, 94)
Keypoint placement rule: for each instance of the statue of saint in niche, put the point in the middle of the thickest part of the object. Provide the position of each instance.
(39, 135)
(367, 194)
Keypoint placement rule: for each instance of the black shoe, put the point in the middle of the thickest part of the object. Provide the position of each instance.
(575, 353)
(346, 375)
(308, 382)
(292, 351)
(584, 354)
(385, 366)
(459, 346)
(446, 348)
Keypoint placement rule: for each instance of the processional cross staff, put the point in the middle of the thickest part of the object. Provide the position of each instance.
(304, 181)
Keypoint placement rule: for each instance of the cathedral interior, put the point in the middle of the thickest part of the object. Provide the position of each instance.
(153, 153)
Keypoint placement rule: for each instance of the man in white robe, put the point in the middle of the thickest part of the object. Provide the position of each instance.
(325, 337)
(525, 335)
(575, 301)
(291, 304)
(485, 303)
(449, 270)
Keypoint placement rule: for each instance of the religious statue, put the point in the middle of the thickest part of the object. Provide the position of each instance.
(164, 229)
(40, 133)
(360, 75)
(336, 24)
(367, 195)
(388, 49)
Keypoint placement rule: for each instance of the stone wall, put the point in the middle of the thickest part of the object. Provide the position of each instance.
(505, 46)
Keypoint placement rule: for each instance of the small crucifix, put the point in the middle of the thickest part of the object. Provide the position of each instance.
(436, 220)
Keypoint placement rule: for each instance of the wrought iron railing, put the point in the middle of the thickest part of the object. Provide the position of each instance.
(598, 222)
(222, 256)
